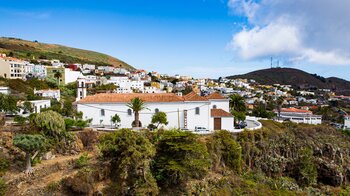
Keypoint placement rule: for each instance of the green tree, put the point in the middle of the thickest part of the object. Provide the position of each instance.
(260, 111)
(130, 154)
(238, 107)
(180, 157)
(159, 118)
(225, 151)
(279, 104)
(8, 103)
(115, 119)
(58, 76)
(237, 103)
(27, 107)
(67, 109)
(239, 116)
(307, 170)
(51, 124)
(137, 105)
(29, 144)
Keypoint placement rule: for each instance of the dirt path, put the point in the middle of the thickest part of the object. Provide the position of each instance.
(48, 171)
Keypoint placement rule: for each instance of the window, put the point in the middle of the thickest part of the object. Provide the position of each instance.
(102, 112)
(214, 107)
(156, 110)
(129, 112)
(197, 110)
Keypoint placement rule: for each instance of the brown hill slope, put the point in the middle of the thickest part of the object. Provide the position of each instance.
(297, 78)
(35, 50)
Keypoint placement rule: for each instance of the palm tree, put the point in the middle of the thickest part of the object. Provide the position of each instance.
(136, 104)
(237, 103)
(58, 75)
(279, 103)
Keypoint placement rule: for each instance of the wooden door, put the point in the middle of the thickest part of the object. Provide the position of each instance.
(217, 123)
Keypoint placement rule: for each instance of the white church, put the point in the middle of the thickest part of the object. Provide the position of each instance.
(183, 112)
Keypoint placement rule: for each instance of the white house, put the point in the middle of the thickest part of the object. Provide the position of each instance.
(347, 122)
(300, 116)
(70, 75)
(37, 105)
(184, 112)
(49, 93)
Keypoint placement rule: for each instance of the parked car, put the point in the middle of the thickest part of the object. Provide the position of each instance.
(200, 129)
(241, 125)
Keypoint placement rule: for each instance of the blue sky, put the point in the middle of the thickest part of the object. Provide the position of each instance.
(203, 38)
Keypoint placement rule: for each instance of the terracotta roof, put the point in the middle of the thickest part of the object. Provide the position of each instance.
(126, 97)
(192, 96)
(219, 113)
(295, 110)
(215, 95)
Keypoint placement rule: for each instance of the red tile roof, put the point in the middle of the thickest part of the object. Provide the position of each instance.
(219, 113)
(126, 97)
(215, 95)
(294, 110)
(192, 96)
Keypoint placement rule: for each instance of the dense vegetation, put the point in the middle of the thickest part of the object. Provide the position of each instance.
(24, 49)
(280, 159)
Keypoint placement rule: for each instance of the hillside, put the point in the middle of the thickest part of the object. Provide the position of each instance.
(296, 78)
(35, 50)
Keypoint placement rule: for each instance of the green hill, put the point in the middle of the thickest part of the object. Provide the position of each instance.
(35, 50)
(297, 78)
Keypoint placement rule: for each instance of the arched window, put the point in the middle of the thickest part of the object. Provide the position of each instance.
(129, 112)
(214, 107)
(156, 110)
(197, 110)
(102, 112)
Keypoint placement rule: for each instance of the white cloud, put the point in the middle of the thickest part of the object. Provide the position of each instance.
(313, 31)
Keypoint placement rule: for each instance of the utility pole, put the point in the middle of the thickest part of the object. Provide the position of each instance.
(271, 62)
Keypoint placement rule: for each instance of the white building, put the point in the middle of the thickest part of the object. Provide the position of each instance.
(5, 90)
(49, 93)
(39, 71)
(70, 75)
(347, 122)
(300, 116)
(125, 85)
(38, 105)
(185, 112)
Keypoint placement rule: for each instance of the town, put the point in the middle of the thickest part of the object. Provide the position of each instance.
(202, 105)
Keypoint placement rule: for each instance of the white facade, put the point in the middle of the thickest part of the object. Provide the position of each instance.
(182, 113)
(49, 93)
(38, 105)
(307, 118)
(70, 75)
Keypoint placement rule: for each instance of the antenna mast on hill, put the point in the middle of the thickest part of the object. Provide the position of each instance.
(271, 62)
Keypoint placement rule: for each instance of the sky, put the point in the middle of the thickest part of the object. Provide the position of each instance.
(202, 38)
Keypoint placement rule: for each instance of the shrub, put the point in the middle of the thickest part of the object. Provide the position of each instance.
(4, 164)
(307, 169)
(130, 154)
(3, 188)
(180, 157)
(53, 186)
(226, 151)
(82, 161)
(20, 120)
(81, 183)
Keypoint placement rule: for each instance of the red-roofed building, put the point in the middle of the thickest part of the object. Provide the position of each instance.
(299, 116)
(184, 112)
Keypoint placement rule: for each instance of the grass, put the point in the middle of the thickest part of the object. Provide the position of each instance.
(28, 50)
